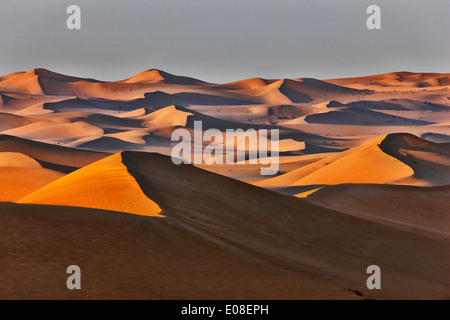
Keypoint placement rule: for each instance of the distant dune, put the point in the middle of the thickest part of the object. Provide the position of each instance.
(396, 79)
(357, 116)
(396, 158)
(155, 75)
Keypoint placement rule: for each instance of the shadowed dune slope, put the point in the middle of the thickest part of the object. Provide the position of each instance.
(220, 238)
(414, 206)
(430, 161)
(358, 116)
(10, 121)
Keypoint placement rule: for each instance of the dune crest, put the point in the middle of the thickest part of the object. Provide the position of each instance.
(364, 164)
(17, 160)
(105, 184)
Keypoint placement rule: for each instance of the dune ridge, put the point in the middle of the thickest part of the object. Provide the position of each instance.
(105, 184)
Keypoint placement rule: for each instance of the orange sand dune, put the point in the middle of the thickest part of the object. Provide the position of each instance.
(171, 116)
(286, 91)
(10, 121)
(45, 82)
(220, 239)
(105, 185)
(11, 75)
(395, 79)
(252, 83)
(20, 175)
(50, 156)
(396, 158)
(364, 164)
(155, 75)
(17, 160)
(23, 104)
(24, 82)
(18, 182)
(56, 132)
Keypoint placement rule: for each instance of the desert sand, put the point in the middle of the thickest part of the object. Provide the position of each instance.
(87, 179)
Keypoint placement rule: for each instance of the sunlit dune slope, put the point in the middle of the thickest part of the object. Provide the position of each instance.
(105, 184)
(20, 175)
(364, 164)
(17, 160)
(56, 132)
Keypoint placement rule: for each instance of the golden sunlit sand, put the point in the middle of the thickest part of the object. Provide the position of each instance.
(105, 185)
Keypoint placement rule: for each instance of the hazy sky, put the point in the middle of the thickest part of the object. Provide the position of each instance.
(225, 40)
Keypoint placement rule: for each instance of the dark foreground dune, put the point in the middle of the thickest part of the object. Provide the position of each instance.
(219, 239)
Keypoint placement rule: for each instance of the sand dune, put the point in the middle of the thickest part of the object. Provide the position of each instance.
(141, 227)
(78, 104)
(364, 164)
(208, 98)
(56, 132)
(430, 161)
(252, 83)
(25, 104)
(219, 239)
(171, 116)
(17, 160)
(105, 185)
(45, 82)
(286, 91)
(20, 175)
(396, 158)
(10, 121)
(18, 182)
(399, 104)
(282, 91)
(108, 144)
(299, 104)
(436, 137)
(50, 156)
(395, 79)
(155, 75)
(358, 116)
(24, 82)
(414, 206)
